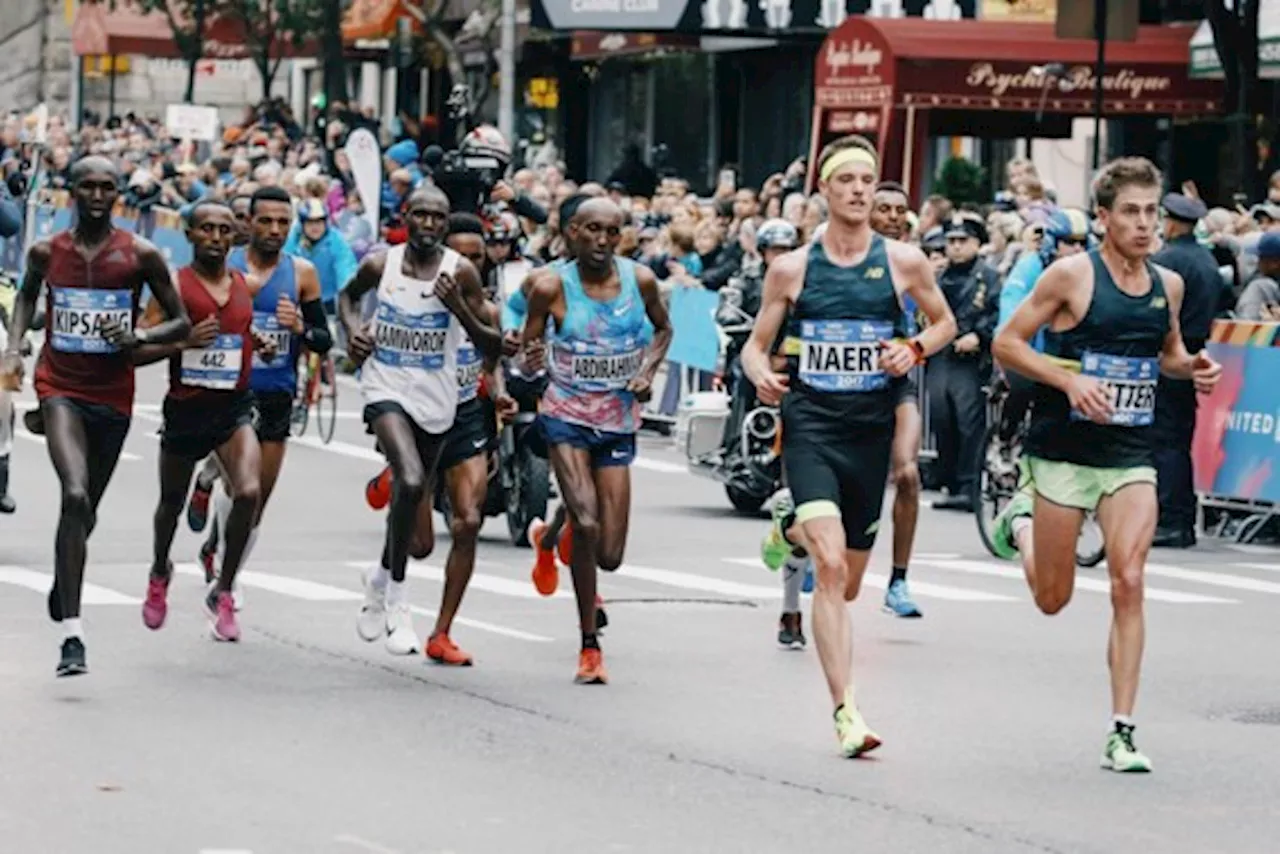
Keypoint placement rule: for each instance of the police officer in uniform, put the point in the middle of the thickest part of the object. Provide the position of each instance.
(956, 375)
(1175, 417)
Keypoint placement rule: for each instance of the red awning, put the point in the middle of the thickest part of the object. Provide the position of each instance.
(125, 30)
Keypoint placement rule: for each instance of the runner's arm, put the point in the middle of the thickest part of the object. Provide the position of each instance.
(1012, 346)
(1175, 361)
(779, 281)
(368, 275)
(657, 312)
(542, 295)
(176, 325)
(471, 311)
(491, 361)
(149, 354)
(316, 336)
(920, 283)
(24, 305)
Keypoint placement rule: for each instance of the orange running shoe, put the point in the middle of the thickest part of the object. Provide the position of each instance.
(546, 576)
(564, 545)
(591, 668)
(442, 650)
(378, 491)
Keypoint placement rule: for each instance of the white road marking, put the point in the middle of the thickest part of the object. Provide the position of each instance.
(225, 851)
(23, 433)
(1215, 579)
(364, 844)
(346, 449)
(1093, 585)
(40, 582)
(1267, 567)
(880, 582)
(519, 589)
(651, 464)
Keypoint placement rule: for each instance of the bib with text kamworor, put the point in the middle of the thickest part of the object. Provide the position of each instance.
(216, 366)
(604, 365)
(843, 355)
(404, 340)
(269, 326)
(79, 314)
(1130, 381)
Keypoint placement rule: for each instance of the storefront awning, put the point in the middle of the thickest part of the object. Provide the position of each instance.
(1206, 64)
(124, 30)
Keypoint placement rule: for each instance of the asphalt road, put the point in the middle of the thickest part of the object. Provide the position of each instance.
(708, 739)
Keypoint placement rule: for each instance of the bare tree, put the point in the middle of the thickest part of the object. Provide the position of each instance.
(269, 25)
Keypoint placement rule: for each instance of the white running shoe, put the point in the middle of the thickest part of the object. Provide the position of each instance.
(401, 638)
(372, 622)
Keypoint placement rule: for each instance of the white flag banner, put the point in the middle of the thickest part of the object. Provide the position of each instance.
(366, 167)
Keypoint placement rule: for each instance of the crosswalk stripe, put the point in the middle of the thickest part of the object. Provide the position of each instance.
(881, 582)
(1215, 579)
(1093, 585)
(479, 581)
(1267, 567)
(40, 582)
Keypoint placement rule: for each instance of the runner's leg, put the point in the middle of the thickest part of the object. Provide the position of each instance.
(175, 477)
(242, 460)
(906, 505)
(467, 484)
(1048, 548)
(1128, 520)
(613, 491)
(578, 492)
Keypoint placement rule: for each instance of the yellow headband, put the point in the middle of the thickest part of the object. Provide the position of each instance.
(844, 157)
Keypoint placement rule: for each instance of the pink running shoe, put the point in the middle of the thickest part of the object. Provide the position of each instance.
(156, 606)
(222, 616)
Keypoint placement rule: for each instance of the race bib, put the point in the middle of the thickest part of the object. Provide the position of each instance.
(404, 340)
(843, 355)
(469, 366)
(216, 366)
(1131, 383)
(78, 316)
(597, 366)
(269, 326)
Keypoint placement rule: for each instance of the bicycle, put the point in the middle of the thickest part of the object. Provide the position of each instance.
(999, 477)
(318, 389)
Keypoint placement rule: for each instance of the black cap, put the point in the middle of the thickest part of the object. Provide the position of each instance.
(967, 225)
(1184, 208)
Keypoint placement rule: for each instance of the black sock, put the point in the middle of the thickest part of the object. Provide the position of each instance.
(899, 574)
(589, 641)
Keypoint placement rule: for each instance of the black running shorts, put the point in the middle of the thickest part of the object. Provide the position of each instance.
(274, 415)
(470, 435)
(194, 429)
(847, 469)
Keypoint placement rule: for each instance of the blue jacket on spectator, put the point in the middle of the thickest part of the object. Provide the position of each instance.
(1017, 287)
(335, 262)
(10, 214)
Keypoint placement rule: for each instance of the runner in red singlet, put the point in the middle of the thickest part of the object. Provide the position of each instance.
(209, 409)
(84, 376)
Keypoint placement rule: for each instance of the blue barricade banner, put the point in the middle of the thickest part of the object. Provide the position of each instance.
(161, 226)
(695, 337)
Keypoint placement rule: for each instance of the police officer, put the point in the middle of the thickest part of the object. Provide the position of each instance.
(1175, 417)
(956, 374)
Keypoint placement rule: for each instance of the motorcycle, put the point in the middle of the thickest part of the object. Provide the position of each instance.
(730, 436)
(519, 483)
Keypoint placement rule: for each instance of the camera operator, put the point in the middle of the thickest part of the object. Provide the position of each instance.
(473, 176)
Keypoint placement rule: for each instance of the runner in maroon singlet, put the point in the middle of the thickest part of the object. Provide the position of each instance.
(84, 376)
(209, 409)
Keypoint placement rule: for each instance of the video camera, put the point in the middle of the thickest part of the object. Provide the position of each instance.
(467, 174)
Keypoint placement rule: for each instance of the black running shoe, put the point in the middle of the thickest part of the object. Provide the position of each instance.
(72, 663)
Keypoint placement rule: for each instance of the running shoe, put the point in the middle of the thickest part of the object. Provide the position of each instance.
(856, 738)
(898, 601)
(602, 619)
(774, 549)
(198, 506)
(791, 632)
(372, 622)
(591, 668)
(546, 577)
(1121, 755)
(222, 616)
(72, 662)
(1002, 532)
(378, 491)
(401, 637)
(156, 606)
(442, 650)
(564, 545)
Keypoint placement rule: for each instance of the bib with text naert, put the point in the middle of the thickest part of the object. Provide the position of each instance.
(1130, 381)
(605, 365)
(216, 366)
(269, 326)
(79, 314)
(405, 340)
(469, 366)
(843, 355)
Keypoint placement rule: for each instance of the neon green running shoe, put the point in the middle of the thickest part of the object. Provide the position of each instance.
(774, 548)
(1002, 534)
(1121, 755)
(856, 738)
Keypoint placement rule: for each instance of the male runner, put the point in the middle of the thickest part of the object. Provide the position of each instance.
(242, 210)
(600, 372)
(280, 285)
(1112, 319)
(209, 409)
(845, 296)
(889, 220)
(428, 297)
(84, 376)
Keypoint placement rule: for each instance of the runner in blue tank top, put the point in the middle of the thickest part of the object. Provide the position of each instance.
(1112, 319)
(602, 361)
(287, 309)
(844, 294)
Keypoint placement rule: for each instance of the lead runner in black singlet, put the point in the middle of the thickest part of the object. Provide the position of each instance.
(844, 293)
(1112, 319)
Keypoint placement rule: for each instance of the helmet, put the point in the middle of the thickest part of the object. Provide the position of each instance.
(486, 141)
(504, 228)
(777, 234)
